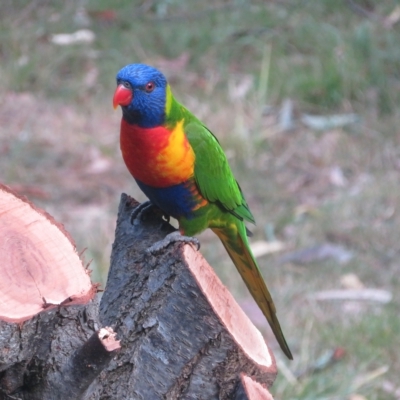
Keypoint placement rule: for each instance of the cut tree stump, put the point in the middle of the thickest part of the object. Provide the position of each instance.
(39, 265)
(183, 336)
(180, 334)
(45, 348)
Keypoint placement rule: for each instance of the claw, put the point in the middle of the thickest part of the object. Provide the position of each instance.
(140, 210)
(172, 238)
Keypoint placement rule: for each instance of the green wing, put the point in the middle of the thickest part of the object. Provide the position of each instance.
(213, 174)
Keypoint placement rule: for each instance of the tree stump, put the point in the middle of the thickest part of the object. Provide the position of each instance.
(45, 347)
(31, 243)
(180, 333)
(183, 336)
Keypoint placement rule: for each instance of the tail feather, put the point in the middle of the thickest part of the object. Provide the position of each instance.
(236, 244)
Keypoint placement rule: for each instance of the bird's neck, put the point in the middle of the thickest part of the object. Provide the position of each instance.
(174, 111)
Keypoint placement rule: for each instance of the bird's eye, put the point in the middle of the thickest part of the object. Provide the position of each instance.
(149, 87)
(127, 84)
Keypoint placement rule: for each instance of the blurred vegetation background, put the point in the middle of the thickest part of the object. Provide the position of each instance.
(304, 97)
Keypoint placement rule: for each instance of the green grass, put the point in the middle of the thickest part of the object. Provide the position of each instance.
(57, 129)
(322, 54)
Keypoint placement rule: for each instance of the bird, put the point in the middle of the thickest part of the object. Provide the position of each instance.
(181, 167)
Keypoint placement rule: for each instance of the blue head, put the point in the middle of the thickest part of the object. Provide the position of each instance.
(141, 93)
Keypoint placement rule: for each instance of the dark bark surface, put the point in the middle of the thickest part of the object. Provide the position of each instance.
(47, 350)
(37, 358)
(177, 341)
(173, 344)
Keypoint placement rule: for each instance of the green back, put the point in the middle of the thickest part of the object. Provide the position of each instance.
(212, 172)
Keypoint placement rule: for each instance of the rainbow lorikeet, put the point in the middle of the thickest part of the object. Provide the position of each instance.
(180, 166)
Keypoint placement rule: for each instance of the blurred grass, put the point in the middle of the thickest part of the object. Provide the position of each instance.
(233, 63)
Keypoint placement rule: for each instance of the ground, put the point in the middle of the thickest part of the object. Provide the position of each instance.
(252, 73)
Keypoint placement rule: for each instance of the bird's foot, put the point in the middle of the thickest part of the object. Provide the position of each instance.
(139, 211)
(172, 238)
(143, 208)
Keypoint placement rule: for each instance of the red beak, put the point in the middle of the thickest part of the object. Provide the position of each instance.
(122, 96)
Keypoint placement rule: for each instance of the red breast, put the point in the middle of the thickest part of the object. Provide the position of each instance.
(158, 157)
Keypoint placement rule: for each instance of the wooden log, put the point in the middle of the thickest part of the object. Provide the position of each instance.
(182, 334)
(57, 352)
(248, 389)
(39, 265)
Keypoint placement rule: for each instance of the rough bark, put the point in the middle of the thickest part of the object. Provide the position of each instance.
(182, 334)
(50, 355)
(55, 355)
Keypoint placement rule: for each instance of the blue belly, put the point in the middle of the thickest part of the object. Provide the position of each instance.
(177, 201)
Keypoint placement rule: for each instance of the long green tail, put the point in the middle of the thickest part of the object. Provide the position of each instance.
(235, 242)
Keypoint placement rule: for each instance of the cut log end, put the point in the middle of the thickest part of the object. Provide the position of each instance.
(40, 266)
(249, 389)
(245, 334)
